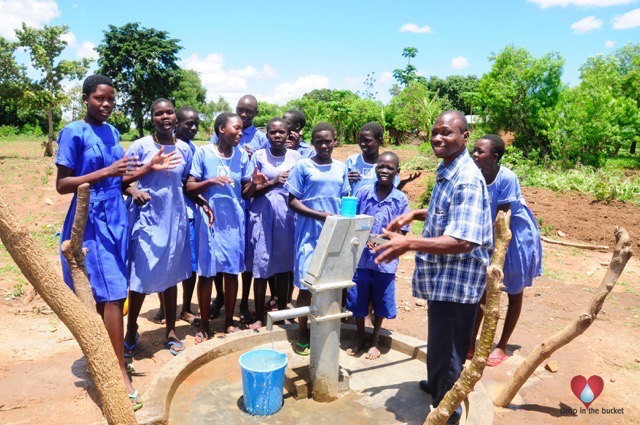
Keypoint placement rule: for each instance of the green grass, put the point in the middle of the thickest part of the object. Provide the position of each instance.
(606, 184)
(629, 289)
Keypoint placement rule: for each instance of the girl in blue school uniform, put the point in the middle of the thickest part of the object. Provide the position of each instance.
(159, 251)
(89, 151)
(315, 187)
(271, 221)
(362, 166)
(221, 172)
(523, 261)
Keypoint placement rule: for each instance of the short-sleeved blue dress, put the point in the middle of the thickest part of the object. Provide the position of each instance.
(320, 188)
(221, 247)
(523, 262)
(159, 250)
(271, 222)
(84, 149)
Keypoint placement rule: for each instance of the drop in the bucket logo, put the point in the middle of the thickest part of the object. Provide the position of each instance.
(587, 390)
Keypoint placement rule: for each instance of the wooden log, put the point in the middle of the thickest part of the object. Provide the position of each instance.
(86, 328)
(543, 351)
(473, 372)
(574, 244)
(72, 249)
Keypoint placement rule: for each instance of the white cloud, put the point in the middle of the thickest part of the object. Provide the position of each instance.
(34, 13)
(416, 29)
(587, 24)
(70, 38)
(385, 77)
(580, 3)
(627, 20)
(459, 63)
(87, 50)
(287, 91)
(228, 83)
(609, 43)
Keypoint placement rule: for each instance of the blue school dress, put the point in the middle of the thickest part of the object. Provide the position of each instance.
(523, 262)
(320, 188)
(86, 148)
(221, 247)
(253, 138)
(159, 251)
(367, 172)
(191, 214)
(271, 222)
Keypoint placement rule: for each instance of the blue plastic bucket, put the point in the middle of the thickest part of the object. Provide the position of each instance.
(263, 381)
(349, 206)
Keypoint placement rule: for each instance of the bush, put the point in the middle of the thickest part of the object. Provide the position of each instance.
(8, 131)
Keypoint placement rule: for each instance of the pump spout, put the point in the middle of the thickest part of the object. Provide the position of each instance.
(293, 313)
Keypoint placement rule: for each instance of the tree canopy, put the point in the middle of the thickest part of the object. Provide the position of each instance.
(519, 94)
(190, 91)
(47, 94)
(142, 62)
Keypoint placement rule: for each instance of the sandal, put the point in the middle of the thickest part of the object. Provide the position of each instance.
(302, 349)
(175, 347)
(130, 350)
(134, 400)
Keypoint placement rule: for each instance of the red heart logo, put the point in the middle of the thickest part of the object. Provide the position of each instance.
(587, 390)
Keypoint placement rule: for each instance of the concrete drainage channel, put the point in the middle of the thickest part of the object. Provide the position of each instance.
(204, 384)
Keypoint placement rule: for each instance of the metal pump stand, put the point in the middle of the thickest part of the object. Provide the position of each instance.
(333, 263)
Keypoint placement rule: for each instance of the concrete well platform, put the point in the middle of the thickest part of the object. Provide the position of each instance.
(204, 385)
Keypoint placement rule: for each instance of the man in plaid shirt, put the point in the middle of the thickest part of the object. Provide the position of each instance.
(452, 254)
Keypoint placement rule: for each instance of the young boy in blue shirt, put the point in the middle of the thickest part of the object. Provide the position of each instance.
(375, 283)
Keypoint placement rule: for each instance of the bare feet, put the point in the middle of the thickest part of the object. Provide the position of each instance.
(201, 337)
(357, 347)
(373, 353)
(190, 318)
(159, 317)
(255, 325)
(231, 329)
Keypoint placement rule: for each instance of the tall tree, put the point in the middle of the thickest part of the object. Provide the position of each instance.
(266, 111)
(13, 82)
(44, 46)
(369, 83)
(414, 109)
(409, 73)
(519, 93)
(209, 113)
(594, 119)
(190, 90)
(456, 89)
(73, 104)
(142, 62)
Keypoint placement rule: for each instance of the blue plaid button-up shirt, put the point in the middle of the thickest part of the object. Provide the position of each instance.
(459, 208)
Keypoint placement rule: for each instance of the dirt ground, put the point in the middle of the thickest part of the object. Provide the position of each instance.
(42, 370)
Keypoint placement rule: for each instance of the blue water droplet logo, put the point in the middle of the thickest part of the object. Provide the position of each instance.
(587, 395)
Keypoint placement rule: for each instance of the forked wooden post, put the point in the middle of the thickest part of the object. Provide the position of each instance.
(72, 249)
(543, 351)
(473, 372)
(86, 328)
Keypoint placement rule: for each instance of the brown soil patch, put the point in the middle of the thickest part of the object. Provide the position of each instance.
(42, 370)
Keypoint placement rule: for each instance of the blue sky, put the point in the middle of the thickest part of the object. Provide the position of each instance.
(278, 50)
